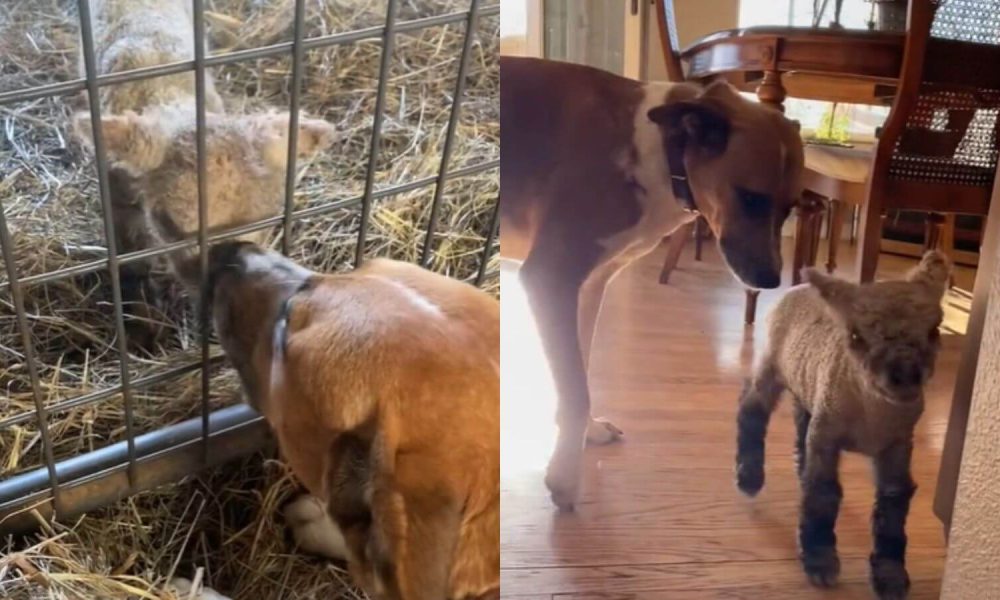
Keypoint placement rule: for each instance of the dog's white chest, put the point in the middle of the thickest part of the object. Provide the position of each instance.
(646, 164)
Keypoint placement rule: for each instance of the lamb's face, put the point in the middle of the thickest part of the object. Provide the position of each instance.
(891, 327)
(246, 160)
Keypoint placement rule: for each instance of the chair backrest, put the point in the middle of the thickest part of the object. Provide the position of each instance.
(668, 39)
(942, 129)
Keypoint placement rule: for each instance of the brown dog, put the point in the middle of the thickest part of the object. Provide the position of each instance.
(596, 170)
(383, 390)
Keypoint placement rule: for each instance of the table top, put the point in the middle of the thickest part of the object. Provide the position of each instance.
(838, 65)
(841, 65)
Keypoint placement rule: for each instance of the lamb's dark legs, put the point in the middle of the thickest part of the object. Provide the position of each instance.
(821, 494)
(894, 488)
(802, 418)
(757, 402)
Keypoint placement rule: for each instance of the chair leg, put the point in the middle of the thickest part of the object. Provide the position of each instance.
(835, 230)
(675, 246)
(948, 243)
(699, 235)
(750, 315)
(853, 237)
(816, 233)
(809, 220)
(932, 231)
(870, 238)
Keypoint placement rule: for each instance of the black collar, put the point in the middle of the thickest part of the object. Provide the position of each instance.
(678, 173)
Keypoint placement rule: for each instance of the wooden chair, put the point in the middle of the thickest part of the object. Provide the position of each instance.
(937, 152)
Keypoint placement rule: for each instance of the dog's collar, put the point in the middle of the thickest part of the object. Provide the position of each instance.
(678, 173)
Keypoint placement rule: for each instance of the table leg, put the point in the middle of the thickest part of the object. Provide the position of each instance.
(771, 90)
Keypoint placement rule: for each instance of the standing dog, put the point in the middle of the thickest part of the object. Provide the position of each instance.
(383, 390)
(596, 170)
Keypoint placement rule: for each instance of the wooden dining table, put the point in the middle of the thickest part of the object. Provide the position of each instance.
(835, 65)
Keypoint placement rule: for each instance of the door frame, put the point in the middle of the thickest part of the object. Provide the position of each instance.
(633, 53)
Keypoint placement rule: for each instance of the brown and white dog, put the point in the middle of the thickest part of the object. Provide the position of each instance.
(383, 389)
(595, 170)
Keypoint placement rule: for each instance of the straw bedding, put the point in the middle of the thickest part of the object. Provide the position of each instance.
(225, 521)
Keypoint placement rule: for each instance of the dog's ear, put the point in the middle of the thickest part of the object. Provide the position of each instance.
(702, 124)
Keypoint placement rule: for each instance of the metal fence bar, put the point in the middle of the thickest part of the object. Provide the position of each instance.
(293, 125)
(202, 157)
(7, 251)
(383, 74)
(449, 137)
(488, 246)
(103, 394)
(71, 87)
(117, 454)
(168, 454)
(94, 99)
(261, 224)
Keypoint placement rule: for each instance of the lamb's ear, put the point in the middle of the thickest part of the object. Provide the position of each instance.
(838, 293)
(314, 136)
(132, 142)
(934, 271)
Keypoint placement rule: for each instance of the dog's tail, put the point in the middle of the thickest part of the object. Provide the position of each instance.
(759, 398)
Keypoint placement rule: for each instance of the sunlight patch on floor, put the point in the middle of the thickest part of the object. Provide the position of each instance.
(527, 394)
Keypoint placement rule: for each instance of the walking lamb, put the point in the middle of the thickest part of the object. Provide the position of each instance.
(855, 359)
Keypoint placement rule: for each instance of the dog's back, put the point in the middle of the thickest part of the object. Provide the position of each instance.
(410, 365)
(560, 120)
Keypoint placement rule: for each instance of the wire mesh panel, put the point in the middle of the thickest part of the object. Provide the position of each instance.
(89, 414)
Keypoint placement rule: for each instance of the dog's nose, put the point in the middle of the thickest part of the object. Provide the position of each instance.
(766, 279)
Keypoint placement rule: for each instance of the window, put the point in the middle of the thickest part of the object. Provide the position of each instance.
(825, 120)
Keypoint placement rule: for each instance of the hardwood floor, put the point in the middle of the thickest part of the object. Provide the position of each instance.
(660, 516)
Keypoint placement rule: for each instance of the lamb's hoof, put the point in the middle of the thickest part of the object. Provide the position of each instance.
(749, 476)
(822, 567)
(313, 529)
(182, 587)
(601, 432)
(889, 579)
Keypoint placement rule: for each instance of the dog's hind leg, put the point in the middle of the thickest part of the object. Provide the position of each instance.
(552, 276)
(313, 529)
(759, 398)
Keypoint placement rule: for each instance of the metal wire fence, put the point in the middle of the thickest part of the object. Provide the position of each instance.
(84, 482)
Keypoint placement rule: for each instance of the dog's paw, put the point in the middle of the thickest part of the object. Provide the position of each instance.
(313, 529)
(822, 566)
(563, 481)
(749, 475)
(889, 579)
(602, 431)
(183, 588)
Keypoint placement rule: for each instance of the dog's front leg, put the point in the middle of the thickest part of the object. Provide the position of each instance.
(553, 290)
(599, 431)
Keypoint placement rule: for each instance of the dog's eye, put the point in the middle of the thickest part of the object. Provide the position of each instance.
(755, 204)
